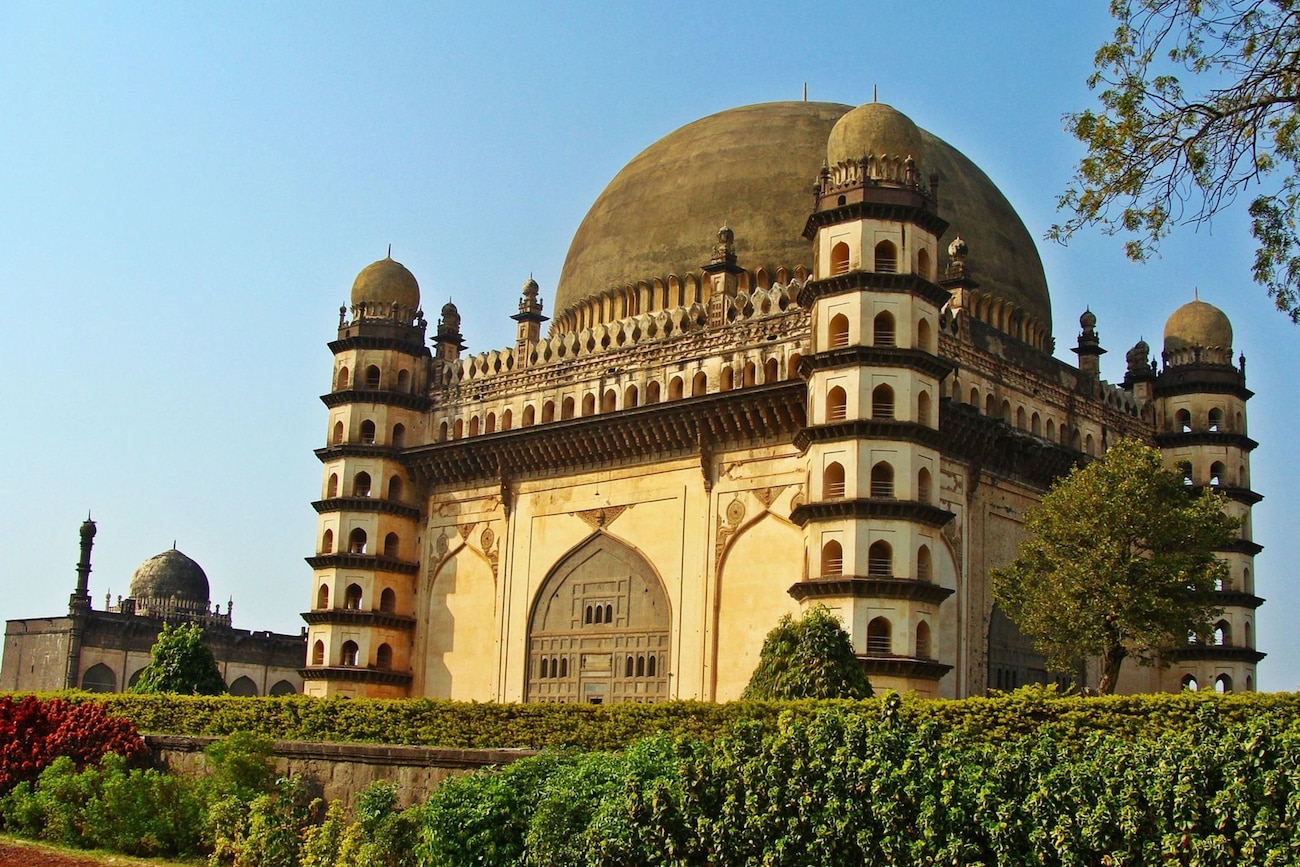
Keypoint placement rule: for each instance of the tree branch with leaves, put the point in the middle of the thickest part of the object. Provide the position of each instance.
(1200, 104)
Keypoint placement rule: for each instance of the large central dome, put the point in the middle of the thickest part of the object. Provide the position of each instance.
(753, 168)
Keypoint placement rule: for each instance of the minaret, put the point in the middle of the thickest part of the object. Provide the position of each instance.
(872, 521)
(1200, 398)
(361, 624)
(79, 606)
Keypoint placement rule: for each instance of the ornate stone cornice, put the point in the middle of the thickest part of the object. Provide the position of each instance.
(860, 587)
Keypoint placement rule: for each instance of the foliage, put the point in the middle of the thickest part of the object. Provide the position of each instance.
(381, 836)
(180, 662)
(1118, 562)
(136, 812)
(34, 732)
(842, 788)
(811, 657)
(1200, 102)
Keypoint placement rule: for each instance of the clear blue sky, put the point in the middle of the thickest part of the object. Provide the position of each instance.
(188, 190)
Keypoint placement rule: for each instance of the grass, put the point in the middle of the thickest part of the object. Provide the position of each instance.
(98, 856)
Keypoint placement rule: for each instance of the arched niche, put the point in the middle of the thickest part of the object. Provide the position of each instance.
(591, 651)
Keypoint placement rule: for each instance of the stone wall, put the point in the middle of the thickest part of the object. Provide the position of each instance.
(341, 771)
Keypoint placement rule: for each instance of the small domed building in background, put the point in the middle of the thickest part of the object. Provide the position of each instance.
(844, 396)
(105, 649)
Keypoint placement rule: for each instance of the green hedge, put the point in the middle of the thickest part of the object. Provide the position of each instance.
(611, 727)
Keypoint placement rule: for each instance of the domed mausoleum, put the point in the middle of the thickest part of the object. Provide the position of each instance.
(800, 354)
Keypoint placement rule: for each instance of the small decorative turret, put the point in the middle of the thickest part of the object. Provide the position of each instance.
(449, 339)
(1089, 349)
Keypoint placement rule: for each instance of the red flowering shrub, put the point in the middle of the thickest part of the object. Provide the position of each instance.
(35, 732)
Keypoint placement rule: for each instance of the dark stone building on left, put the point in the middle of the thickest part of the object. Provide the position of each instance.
(105, 650)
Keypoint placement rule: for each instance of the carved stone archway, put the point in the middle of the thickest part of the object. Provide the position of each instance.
(599, 629)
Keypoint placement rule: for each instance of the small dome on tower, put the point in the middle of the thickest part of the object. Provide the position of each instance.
(384, 282)
(1197, 324)
(170, 575)
(874, 129)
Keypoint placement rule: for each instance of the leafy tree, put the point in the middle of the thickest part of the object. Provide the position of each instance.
(1119, 562)
(181, 663)
(1200, 101)
(811, 657)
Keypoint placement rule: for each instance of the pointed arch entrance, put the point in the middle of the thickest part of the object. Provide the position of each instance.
(598, 632)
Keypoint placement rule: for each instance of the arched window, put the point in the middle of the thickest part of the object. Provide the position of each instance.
(388, 601)
(630, 397)
(1216, 419)
(1222, 633)
(609, 402)
(880, 560)
(838, 334)
(391, 545)
(924, 494)
(1036, 425)
(1182, 421)
(530, 415)
(882, 480)
(1022, 420)
(832, 559)
(327, 542)
(357, 541)
(726, 380)
(923, 640)
(1217, 472)
(399, 436)
(350, 654)
(699, 385)
(771, 370)
(882, 329)
(1189, 683)
(924, 568)
(886, 258)
(923, 408)
(367, 431)
(652, 392)
(507, 418)
(342, 380)
(323, 597)
(1222, 684)
(332, 487)
(588, 404)
(490, 425)
(882, 402)
(361, 484)
(352, 597)
(318, 653)
(675, 388)
(833, 481)
(839, 259)
(566, 408)
(548, 412)
(837, 404)
(337, 438)
(880, 638)
(372, 377)
(923, 266)
(403, 380)
(395, 489)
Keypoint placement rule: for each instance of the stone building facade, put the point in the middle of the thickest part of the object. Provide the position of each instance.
(845, 396)
(105, 649)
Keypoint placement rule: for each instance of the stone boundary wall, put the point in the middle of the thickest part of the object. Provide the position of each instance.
(340, 771)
